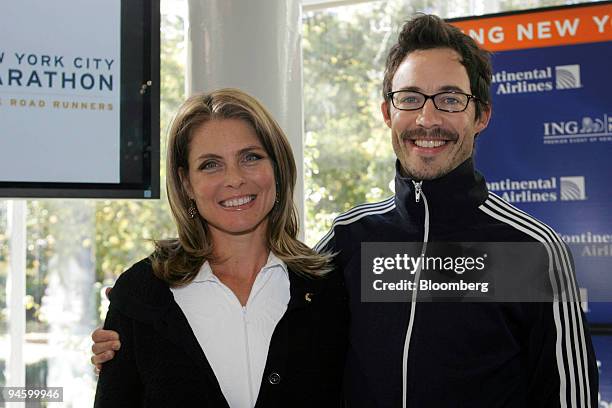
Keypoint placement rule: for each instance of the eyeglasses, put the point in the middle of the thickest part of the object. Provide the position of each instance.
(449, 101)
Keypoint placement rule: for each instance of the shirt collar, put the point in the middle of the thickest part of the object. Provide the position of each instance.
(274, 261)
(450, 197)
(206, 275)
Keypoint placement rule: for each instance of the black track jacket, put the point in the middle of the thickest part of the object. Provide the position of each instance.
(438, 355)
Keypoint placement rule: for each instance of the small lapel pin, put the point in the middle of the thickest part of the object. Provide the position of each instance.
(308, 297)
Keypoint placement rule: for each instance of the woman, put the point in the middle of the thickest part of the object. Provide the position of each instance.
(235, 311)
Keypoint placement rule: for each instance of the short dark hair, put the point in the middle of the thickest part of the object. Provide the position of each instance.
(425, 32)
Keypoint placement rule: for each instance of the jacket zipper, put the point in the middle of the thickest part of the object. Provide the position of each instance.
(417, 190)
(248, 356)
(418, 193)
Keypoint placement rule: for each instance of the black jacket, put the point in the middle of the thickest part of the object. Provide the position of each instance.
(161, 363)
(449, 354)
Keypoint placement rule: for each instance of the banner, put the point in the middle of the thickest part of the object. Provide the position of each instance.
(560, 26)
(548, 147)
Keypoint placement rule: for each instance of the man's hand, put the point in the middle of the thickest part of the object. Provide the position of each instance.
(106, 342)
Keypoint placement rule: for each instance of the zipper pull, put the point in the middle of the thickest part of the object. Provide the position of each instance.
(417, 190)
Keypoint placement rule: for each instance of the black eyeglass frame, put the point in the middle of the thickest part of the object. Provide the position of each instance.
(470, 97)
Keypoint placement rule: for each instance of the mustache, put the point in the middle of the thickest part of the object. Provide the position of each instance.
(433, 134)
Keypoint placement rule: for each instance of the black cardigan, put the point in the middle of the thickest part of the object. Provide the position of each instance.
(161, 364)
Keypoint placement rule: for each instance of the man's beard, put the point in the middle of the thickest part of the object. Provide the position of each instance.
(416, 172)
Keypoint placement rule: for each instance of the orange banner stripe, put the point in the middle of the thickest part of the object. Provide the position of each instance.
(575, 25)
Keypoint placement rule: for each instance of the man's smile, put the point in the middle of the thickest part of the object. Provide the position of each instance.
(429, 143)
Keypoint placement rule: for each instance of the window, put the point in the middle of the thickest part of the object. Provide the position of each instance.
(76, 247)
(347, 148)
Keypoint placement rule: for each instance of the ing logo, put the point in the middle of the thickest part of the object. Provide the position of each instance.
(572, 188)
(567, 76)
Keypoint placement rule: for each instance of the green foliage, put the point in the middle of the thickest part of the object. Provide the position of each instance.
(348, 154)
(125, 228)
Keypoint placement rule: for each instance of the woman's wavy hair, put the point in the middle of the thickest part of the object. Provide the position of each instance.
(177, 261)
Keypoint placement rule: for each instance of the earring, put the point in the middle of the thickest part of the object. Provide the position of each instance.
(277, 199)
(192, 211)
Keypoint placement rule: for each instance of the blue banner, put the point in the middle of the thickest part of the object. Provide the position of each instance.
(548, 147)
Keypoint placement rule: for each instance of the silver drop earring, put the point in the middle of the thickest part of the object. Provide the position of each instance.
(192, 211)
(277, 199)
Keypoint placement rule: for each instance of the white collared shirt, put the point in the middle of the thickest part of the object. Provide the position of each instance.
(236, 339)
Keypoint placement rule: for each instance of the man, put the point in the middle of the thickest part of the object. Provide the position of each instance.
(445, 354)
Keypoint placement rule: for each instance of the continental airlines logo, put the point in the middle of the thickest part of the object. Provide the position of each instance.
(567, 76)
(572, 188)
(578, 130)
(537, 80)
(567, 188)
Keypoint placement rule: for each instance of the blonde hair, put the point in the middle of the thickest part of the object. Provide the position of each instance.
(177, 261)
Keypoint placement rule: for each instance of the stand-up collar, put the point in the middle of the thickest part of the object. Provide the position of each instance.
(454, 196)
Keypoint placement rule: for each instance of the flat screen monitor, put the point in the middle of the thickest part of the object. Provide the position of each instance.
(79, 99)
